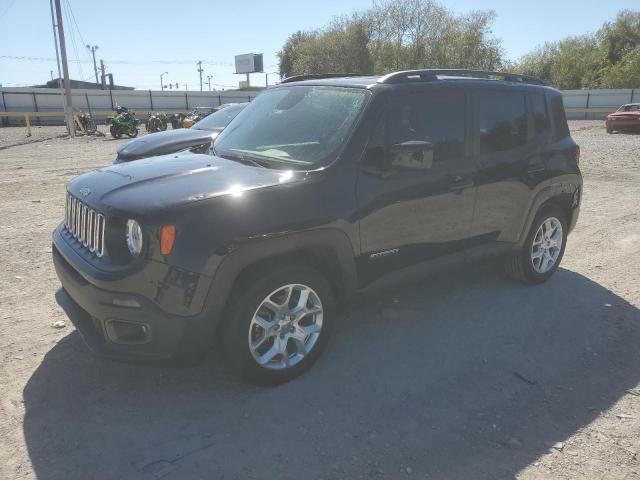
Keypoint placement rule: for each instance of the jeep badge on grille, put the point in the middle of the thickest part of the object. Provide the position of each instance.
(85, 191)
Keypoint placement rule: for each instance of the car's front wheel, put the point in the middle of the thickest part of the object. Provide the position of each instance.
(543, 249)
(278, 324)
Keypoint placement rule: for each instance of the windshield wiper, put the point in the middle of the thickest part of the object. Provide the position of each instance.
(241, 158)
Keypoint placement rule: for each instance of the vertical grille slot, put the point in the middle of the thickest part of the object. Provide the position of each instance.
(85, 225)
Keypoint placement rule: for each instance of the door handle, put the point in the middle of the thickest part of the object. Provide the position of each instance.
(459, 183)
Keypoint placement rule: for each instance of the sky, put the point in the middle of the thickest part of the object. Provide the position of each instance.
(141, 39)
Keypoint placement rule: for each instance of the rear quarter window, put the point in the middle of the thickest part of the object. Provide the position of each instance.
(539, 113)
(561, 129)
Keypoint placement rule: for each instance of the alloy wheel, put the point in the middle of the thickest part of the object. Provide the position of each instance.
(547, 245)
(285, 327)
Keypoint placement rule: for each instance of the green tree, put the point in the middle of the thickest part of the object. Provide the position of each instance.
(395, 35)
(625, 73)
(607, 59)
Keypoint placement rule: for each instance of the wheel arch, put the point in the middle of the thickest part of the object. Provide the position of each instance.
(564, 195)
(329, 251)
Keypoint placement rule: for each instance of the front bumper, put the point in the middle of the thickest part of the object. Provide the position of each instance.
(162, 337)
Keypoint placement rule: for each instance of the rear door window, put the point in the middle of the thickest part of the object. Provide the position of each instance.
(501, 120)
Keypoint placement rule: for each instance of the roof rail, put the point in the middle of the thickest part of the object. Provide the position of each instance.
(431, 74)
(314, 76)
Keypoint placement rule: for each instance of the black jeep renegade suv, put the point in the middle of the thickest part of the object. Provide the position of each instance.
(314, 191)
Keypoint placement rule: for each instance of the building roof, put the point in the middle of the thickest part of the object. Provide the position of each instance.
(80, 84)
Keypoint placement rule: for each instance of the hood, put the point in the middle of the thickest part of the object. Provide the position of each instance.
(634, 114)
(171, 181)
(161, 143)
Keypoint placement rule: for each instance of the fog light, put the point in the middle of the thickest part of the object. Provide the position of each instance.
(120, 331)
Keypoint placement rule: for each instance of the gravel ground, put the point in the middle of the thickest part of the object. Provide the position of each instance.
(463, 376)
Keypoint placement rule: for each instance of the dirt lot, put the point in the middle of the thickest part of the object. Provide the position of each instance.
(463, 376)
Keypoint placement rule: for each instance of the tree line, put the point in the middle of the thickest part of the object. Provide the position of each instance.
(413, 34)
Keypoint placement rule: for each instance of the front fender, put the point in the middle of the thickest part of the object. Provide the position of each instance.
(257, 249)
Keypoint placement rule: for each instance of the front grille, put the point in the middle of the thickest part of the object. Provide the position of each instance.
(85, 224)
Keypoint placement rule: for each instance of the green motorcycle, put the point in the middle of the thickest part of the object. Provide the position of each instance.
(123, 123)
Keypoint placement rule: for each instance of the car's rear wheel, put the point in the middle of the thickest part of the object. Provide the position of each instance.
(278, 324)
(543, 249)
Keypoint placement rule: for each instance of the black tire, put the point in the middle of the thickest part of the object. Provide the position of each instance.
(520, 267)
(609, 130)
(115, 131)
(244, 303)
(132, 133)
(91, 127)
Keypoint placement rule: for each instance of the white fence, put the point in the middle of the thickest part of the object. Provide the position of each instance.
(579, 104)
(97, 102)
(595, 104)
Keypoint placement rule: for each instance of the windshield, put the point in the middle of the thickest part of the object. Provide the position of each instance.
(220, 119)
(302, 125)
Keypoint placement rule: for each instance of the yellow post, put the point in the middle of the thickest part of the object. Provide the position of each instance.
(79, 123)
(26, 119)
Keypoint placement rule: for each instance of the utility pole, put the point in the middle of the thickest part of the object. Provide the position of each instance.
(68, 111)
(102, 76)
(95, 67)
(55, 40)
(162, 84)
(200, 72)
(209, 77)
(51, 74)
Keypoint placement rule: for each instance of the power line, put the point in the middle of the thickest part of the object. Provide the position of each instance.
(74, 22)
(6, 10)
(124, 62)
(73, 38)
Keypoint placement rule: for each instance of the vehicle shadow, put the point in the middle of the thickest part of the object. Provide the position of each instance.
(461, 376)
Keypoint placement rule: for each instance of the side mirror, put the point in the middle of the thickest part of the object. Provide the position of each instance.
(414, 154)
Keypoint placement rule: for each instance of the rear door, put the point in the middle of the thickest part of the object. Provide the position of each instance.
(508, 150)
(415, 189)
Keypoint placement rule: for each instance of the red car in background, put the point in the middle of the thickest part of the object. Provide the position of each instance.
(626, 118)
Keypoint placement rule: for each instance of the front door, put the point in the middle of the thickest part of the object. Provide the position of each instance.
(415, 189)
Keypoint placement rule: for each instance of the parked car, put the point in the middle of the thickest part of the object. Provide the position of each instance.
(625, 119)
(198, 137)
(317, 190)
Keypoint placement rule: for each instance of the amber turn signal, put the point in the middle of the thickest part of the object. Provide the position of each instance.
(167, 238)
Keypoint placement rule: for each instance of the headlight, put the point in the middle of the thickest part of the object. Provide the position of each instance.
(134, 237)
